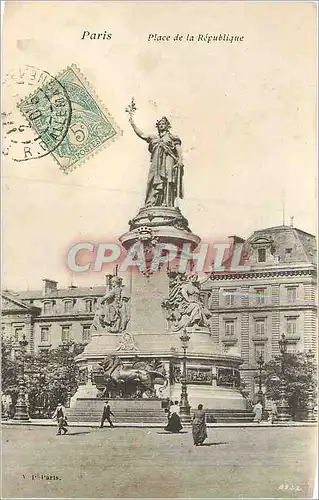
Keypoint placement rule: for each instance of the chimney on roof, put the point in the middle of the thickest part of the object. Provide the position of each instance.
(50, 286)
(235, 239)
(291, 221)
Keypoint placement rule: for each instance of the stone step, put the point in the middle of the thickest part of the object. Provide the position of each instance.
(219, 410)
(128, 420)
(229, 416)
(228, 413)
(117, 414)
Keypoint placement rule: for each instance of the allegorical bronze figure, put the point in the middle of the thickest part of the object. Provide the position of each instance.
(165, 179)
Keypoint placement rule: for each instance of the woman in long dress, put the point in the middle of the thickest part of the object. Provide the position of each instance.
(174, 421)
(258, 411)
(199, 426)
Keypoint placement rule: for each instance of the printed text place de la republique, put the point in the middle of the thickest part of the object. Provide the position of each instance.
(155, 37)
(201, 37)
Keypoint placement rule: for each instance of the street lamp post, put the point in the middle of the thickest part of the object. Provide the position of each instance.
(41, 397)
(21, 412)
(68, 347)
(310, 417)
(184, 404)
(260, 363)
(283, 407)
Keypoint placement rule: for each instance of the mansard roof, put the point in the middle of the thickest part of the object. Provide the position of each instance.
(72, 292)
(12, 303)
(302, 244)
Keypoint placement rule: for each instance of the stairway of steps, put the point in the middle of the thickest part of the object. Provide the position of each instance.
(155, 416)
(229, 416)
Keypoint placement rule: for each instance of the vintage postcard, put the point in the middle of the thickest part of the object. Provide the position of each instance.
(159, 238)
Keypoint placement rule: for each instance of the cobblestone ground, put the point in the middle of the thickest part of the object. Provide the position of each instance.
(148, 463)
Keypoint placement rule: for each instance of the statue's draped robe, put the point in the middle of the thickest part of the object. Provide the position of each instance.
(187, 306)
(164, 156)
(112, 305)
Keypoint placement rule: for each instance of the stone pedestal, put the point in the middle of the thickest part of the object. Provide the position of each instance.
(147, 295)
(167, 224)
(283, 407)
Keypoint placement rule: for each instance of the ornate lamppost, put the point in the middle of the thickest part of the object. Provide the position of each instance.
(41, 396)
(68, 348)
(184, 404)
(21, 412)
(310, 417)
(283, 407)
(260, 363)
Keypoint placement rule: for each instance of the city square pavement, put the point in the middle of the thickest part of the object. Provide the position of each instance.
(149, 463)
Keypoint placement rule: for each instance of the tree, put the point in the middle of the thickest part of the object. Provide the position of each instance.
(51, 376)
(298, 376)
(56, 375)
(9, 370)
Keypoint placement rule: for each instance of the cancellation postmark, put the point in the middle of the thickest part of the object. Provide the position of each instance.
(47, 120)
(89, 126)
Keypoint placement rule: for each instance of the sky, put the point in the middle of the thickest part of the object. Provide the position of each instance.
(245, 112)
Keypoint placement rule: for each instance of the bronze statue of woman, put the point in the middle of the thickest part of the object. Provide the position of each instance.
(165, 179)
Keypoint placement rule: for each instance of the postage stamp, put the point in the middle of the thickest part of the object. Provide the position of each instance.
(69, 119)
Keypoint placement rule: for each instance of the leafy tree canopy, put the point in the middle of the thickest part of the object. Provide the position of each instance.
(51, 376)
(298, 375)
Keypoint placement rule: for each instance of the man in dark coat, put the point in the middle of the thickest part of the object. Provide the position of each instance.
(107, 415)
(60, 415)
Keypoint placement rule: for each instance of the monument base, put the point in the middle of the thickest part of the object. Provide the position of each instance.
(211, 374)
(213, 398)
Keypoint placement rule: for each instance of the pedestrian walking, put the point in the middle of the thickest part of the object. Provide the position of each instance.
(107, 415)
(60, 415)
(258, 411)
(174, 421)
(199, 428)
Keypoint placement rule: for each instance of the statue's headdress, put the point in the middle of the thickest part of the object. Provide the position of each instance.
(168, 125)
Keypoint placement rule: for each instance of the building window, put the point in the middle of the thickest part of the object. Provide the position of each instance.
(260, 295)
(261, 254)
(260, 327)
(67, 306)
(259, 350)
(291, 327)
(18, 332)
(86, 333)
(45, 334)
(229, 297)
(88, 305)
(291, 293)
(230, 328)
(65, 334)
(47, 307)
(288, 252)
